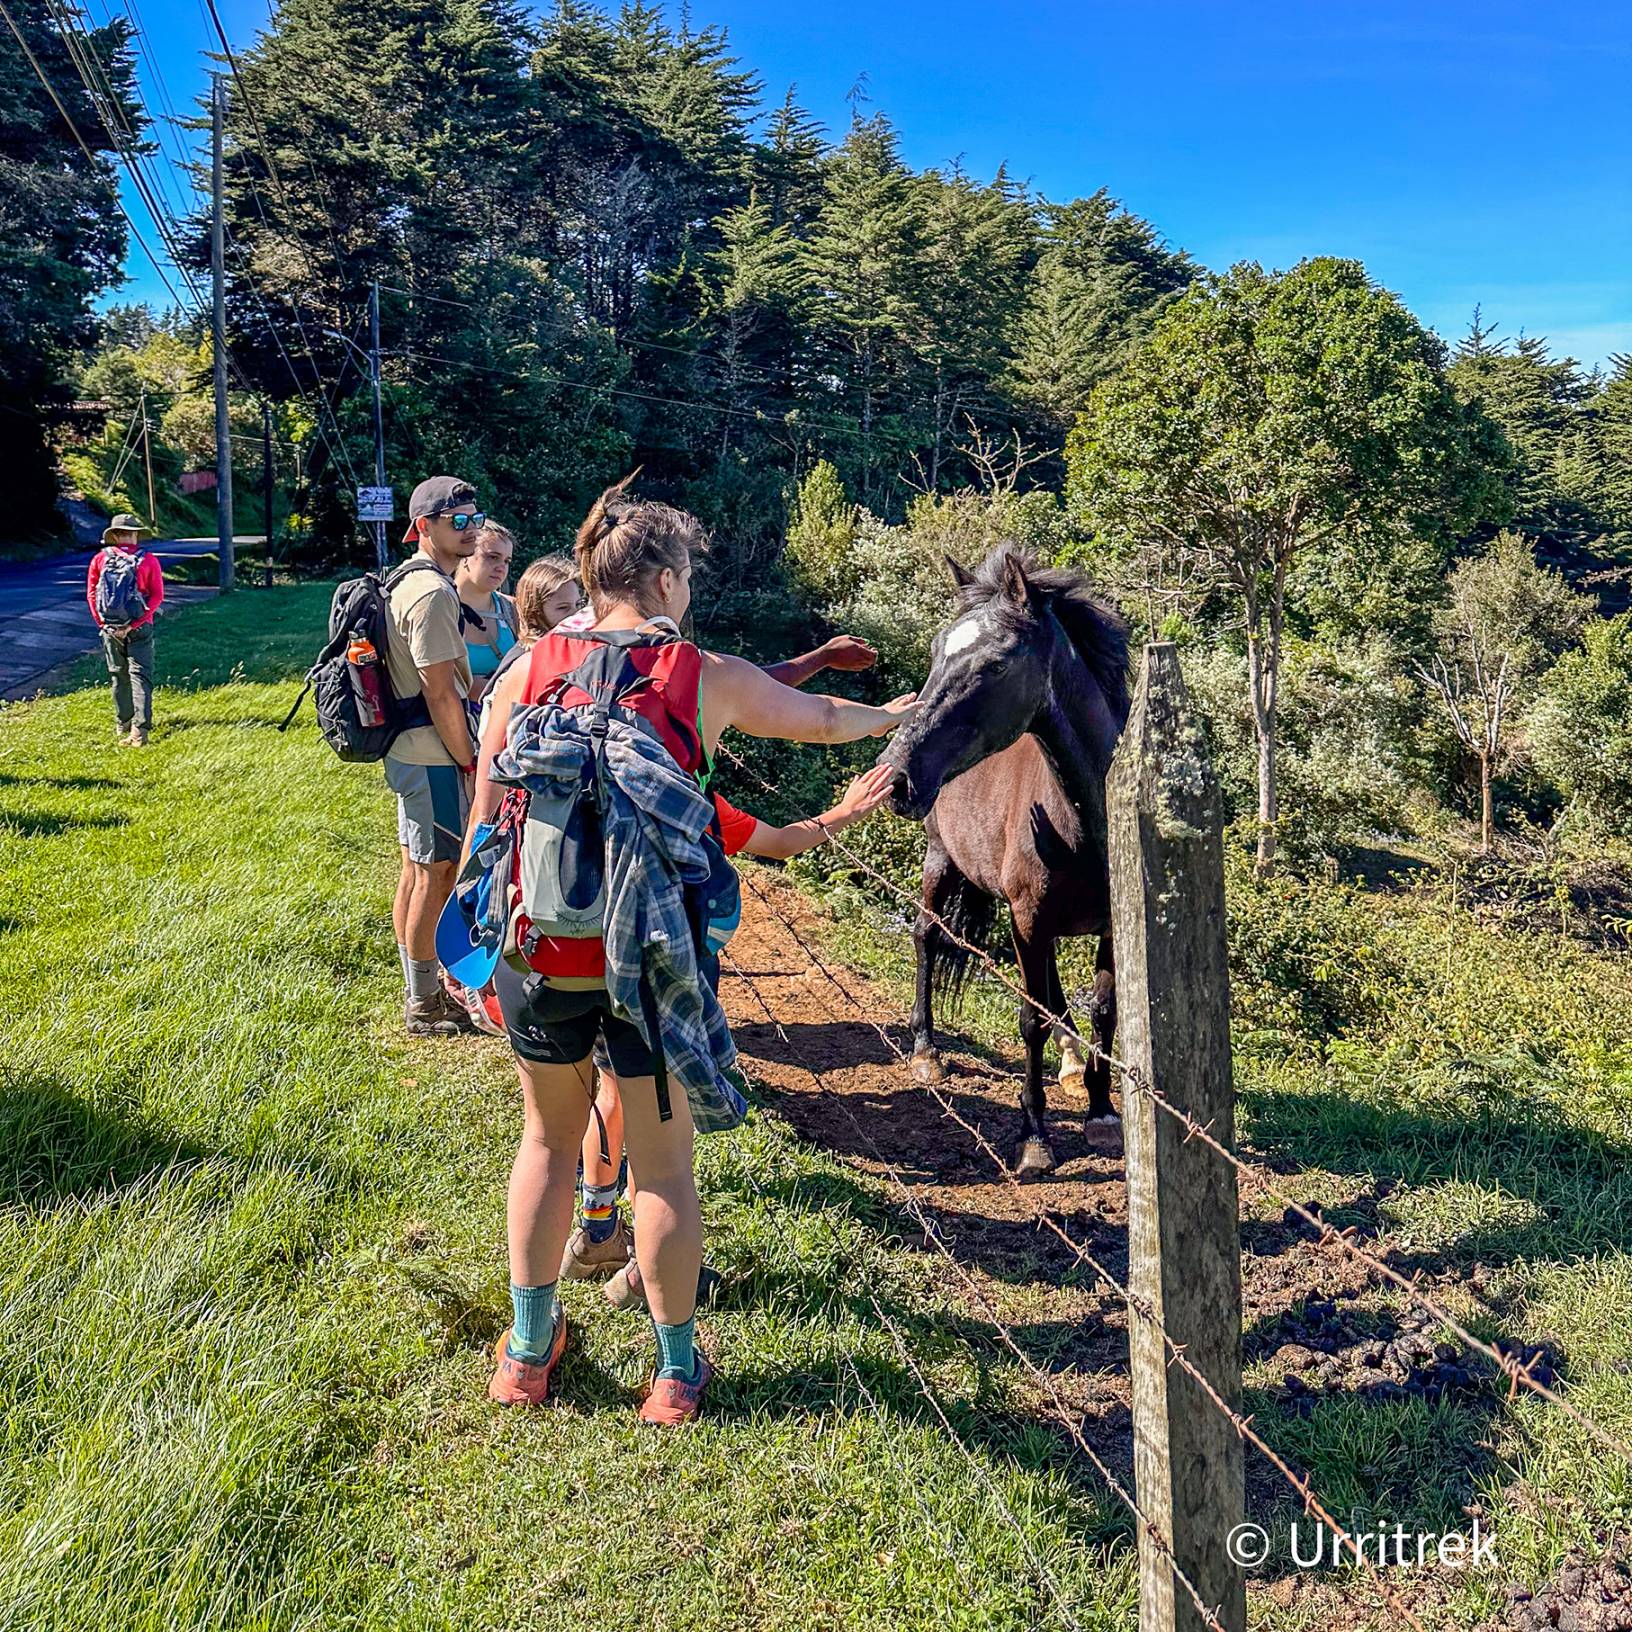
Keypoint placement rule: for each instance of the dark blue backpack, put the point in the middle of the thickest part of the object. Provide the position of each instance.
(119, 603)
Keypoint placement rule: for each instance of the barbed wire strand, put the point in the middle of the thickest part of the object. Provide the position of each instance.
(1061, 1410)
(937, 1531)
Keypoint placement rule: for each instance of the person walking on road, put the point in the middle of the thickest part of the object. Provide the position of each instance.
(125, 589)
(431, 768)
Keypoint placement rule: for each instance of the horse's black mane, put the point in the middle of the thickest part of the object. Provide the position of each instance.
(1095, 628)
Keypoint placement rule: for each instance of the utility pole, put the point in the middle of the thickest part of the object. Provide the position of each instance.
(382, 560)
(266, 481)
(223, 429)
(147, 455)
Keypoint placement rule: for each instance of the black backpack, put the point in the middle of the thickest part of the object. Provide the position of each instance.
(347, 698)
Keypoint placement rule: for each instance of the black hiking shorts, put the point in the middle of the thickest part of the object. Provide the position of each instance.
(550, 1026)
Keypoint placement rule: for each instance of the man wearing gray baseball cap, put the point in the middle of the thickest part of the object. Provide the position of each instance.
(431, 768)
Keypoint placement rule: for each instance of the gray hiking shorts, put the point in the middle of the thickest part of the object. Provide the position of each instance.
(431, 809)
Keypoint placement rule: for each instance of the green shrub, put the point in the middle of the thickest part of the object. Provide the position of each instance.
(1353, 760)
(1580, 729)
(821, 529)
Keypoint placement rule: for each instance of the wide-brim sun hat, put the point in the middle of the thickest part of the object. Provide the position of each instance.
(125, 523)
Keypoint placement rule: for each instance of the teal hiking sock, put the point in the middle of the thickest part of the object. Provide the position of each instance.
(533, 1330)
(600, 1211)
(677, 1350)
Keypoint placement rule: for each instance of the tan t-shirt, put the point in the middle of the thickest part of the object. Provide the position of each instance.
(424, 630)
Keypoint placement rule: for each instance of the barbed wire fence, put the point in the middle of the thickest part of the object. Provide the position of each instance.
(1167, 876)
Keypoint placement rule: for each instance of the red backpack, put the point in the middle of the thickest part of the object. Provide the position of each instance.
(559, 854)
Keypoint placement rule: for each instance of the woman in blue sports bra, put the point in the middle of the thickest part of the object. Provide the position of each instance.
(490, 617)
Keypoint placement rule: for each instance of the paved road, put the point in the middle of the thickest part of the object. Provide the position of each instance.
(44, 620)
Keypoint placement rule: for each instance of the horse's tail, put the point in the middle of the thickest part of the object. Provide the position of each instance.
(971, 914)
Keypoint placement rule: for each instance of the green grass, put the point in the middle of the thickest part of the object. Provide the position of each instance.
(251, 1250)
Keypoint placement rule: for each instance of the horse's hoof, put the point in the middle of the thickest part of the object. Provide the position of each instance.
(927, 1069)
(1035, 1160)
(1074, 1079)
(1103, 1133)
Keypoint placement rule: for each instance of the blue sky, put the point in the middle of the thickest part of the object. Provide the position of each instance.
(1466, 153)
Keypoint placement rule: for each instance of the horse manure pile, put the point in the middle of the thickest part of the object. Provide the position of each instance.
(1318, 1350)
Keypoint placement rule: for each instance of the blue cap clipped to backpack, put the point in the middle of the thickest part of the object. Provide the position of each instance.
(470, 932)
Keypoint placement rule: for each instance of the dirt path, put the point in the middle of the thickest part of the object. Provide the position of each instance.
(843, 1087)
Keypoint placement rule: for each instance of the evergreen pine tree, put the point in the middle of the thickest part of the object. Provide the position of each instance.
(790, 165)
(1098, 286)
(973, 243)
(863, 258)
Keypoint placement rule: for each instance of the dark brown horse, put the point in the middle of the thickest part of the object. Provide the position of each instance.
(1005, 764)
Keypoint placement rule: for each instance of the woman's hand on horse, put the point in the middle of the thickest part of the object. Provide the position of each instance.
(864, 795)
(849, 654)
(899, 710)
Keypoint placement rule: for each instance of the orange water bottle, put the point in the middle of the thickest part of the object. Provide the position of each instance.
(363, 664)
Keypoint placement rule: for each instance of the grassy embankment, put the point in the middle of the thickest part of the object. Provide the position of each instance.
(251, 1251)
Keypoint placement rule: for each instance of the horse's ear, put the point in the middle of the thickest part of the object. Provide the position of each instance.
(961, 575)
(1016, 585)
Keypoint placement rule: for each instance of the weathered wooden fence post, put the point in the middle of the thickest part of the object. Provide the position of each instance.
(1173, 1001)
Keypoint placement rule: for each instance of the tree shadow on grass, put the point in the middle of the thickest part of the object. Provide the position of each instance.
(1574, 1184)
(40, 824)
(67, 783)
(55, 1147)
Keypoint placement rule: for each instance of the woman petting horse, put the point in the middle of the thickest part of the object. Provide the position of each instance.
(635, 558)
(1005, 765)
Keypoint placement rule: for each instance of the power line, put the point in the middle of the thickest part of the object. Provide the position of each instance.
(643, 396)
(106, 104)
(111, 118)
(268, 160)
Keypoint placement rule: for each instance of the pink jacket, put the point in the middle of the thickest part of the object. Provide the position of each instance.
(149, 580)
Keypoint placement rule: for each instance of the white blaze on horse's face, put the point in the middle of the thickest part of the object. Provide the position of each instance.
(961, 636)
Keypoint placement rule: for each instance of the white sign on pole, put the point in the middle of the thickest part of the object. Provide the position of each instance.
(373, 504)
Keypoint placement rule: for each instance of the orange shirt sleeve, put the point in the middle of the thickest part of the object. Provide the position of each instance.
(736, 826)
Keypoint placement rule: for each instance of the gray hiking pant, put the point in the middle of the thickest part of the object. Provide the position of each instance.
(130, 663)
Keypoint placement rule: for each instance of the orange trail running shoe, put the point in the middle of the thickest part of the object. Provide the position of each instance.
(671, 1402)
(526, 1382)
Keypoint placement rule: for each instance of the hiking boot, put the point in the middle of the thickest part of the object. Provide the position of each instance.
(436, 1016)
(121, 734)
(586, 1260)
(526, 1382)
(627, 1291)
(138, 737)
(671, 1402)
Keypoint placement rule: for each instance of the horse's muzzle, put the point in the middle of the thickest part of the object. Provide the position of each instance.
(903, 801)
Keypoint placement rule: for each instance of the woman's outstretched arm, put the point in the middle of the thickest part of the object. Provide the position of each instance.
(735, 693)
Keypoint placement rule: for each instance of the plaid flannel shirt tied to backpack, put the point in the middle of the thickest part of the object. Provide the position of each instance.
(654, 821)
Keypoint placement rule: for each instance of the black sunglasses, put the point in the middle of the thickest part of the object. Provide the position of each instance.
(460, 522)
